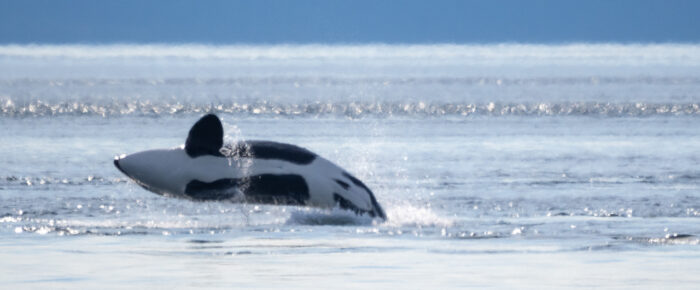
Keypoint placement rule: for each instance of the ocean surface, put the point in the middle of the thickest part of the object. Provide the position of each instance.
(499, 166)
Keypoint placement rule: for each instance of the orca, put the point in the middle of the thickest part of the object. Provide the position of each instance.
(263, 172)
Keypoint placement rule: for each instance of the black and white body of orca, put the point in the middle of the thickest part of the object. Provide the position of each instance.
(251, 171)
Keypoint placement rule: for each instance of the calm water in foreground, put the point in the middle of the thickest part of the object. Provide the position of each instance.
(503, 166)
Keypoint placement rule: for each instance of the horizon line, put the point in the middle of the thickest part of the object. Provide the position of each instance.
(254, 44)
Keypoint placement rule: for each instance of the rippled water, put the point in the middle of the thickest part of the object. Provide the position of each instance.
(498, 166)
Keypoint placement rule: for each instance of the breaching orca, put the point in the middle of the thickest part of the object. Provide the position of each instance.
(250, 171)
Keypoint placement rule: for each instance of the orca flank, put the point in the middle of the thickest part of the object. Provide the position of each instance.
(264, 172)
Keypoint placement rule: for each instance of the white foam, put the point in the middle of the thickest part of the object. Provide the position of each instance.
(403, 215)
(406, 215)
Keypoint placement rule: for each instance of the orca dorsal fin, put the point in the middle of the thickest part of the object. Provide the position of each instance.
(206, 137)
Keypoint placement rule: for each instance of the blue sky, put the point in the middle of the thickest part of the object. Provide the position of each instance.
(352, 21)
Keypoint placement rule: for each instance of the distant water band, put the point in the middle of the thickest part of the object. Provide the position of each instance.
(8, 108)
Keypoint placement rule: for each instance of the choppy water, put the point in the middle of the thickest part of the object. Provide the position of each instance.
(498, 166)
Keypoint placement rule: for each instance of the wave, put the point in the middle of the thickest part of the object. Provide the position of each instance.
(668, 239)
(335, 217)
(38, 108)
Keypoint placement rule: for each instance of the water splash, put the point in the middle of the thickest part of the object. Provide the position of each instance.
(406, 215)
